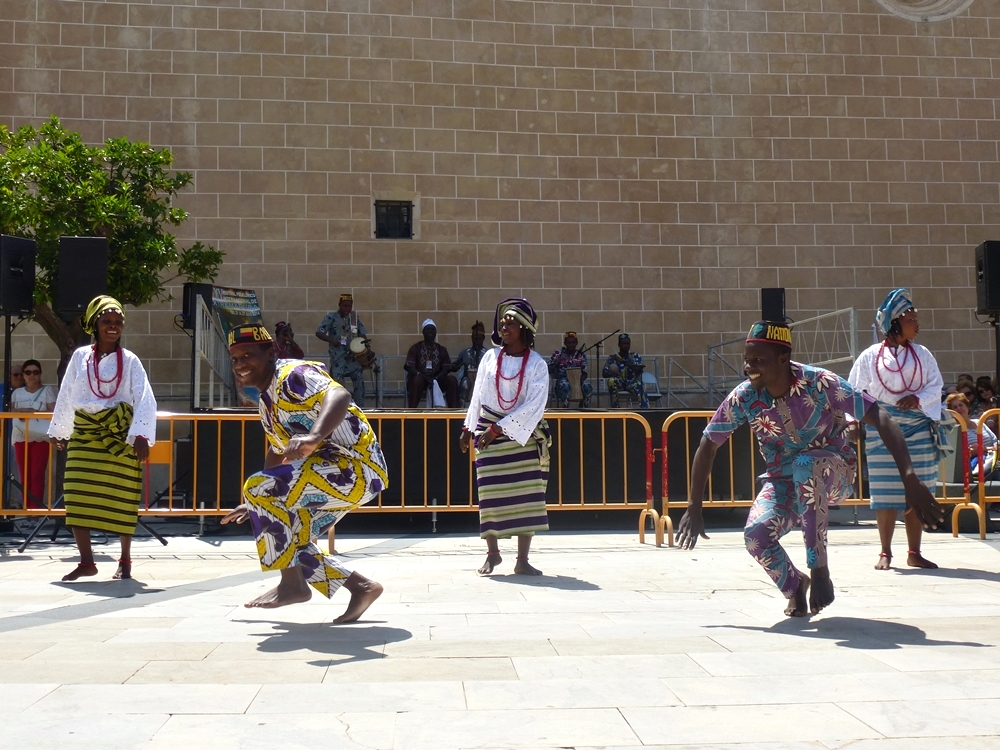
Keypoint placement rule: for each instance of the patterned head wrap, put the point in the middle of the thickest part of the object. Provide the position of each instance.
(570, 335)
(895, 304)
(97, 307)
(346, 297)
(428, 322)
(249, 333)
(279, 325)
(623, 336)
(517, 308)
(770, 332)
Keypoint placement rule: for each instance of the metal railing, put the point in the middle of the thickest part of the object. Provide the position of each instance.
(732, 483)
(211, 359)
(197, 467)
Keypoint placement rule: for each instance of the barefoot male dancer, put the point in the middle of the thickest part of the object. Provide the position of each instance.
(322, 461)
(798, 414)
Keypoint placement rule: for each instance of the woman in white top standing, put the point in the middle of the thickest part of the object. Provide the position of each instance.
(105, 420)
(505, 418)
(904, 378)
(33, 453)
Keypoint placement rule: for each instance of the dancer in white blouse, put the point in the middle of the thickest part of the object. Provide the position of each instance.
(105, 420)
(905, 380)
(505, 418)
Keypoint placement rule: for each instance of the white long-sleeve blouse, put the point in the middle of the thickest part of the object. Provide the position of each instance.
(76, 394)
(925, 376)
(520, 421)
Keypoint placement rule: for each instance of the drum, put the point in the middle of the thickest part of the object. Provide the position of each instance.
(470, 373)
(362, 352)
(575, 376)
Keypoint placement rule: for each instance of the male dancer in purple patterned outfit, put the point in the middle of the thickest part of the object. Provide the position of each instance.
(798, 414)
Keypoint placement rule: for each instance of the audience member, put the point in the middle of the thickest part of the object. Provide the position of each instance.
(427, 363)
(468, 361)
(32, 453)
(959, 403)
(284, 342)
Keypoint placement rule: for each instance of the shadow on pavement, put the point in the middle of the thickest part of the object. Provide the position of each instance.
(854, 632)
(111, 589)
(566, 583)
(357, 641)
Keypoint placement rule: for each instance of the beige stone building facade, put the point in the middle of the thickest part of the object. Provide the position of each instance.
(644, 166)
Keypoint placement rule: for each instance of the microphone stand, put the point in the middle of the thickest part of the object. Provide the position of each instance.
(597, 355)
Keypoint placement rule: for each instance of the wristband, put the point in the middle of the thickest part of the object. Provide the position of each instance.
(495, 431)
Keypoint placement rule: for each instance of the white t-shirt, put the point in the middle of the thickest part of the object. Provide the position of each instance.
(38, 401)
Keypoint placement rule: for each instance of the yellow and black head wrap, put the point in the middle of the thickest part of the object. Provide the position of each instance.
(97, 307)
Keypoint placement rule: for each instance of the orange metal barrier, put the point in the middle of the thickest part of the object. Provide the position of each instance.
(732, 482)
(206, 457)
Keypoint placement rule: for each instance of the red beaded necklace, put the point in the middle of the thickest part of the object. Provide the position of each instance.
(98, 381)
(504, 403)
(909, 386)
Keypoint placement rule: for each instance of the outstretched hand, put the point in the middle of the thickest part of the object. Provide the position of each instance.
(239, 514)
(920, 500)
(691, 527)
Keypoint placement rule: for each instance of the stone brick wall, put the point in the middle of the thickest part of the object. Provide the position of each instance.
(644, 166)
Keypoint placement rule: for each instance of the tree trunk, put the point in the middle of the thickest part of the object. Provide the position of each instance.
(67, 336)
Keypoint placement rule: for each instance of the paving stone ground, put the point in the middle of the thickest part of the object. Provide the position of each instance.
(619, 645)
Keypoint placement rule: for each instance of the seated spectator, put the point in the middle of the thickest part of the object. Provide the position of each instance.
(623, 372)
(562, 360)
(427, 363)
(959, 404)
(467, 363)
(986, 390)
(284, 342)
(33, 453)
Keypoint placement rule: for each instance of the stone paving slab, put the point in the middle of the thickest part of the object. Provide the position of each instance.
(620, 646)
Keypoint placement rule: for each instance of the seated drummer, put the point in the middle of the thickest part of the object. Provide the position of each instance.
(560, 361)
(623, 372)
(428, 362)
(469, 359)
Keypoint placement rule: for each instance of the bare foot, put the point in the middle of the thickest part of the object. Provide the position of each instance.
(884, 561)
(916, 560)
(80, 571)
(820, 590)
(124, 570)
(283, 594)
(524, 568)
(491, 562)
(361, 599)
(797, 606)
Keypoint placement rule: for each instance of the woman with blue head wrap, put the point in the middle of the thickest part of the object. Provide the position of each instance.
(904, 378)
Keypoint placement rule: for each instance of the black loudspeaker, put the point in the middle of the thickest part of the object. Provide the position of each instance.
(17, 275)
(83, 274)
(772, 304)
(191, 292)
(988, 278)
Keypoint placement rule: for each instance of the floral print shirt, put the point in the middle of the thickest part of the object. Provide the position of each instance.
(811, 417)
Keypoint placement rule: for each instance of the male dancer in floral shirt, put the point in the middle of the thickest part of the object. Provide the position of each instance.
(798, 414)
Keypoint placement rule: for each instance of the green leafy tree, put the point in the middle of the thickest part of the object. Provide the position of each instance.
(53, 184)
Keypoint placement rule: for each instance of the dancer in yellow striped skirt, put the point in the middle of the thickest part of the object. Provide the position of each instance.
(105, 420)
(322, 461)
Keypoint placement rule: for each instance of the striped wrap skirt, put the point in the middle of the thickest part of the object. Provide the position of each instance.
(920, 432)
(511, 479)
(103, 481)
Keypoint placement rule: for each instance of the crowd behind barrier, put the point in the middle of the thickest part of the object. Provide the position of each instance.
(600, 461)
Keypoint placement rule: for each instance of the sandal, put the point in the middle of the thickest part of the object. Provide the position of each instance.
(124, 571)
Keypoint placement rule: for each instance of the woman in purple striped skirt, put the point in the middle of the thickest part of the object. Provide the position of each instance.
(511, 437)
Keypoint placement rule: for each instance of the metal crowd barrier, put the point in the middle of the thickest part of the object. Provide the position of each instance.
(599, 461)
(733, 480)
